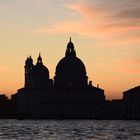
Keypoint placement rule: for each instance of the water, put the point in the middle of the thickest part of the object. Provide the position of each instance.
(69, 130)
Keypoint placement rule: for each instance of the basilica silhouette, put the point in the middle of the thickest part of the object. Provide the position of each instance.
(69, 95)
(65, 96)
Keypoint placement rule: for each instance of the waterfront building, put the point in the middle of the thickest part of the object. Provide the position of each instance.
(68, 95)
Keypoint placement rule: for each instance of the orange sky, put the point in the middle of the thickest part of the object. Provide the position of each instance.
(105, 33)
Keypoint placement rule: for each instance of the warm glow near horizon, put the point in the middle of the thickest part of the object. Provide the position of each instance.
(106, 35)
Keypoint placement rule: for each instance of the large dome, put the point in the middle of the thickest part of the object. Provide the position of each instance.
(70, 66)
(70, 71)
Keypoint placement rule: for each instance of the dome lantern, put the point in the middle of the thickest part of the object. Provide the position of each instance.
(39, 59)
(70, 51)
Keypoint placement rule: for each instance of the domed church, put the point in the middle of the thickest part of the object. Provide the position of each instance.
(70, 71)
(68, 95)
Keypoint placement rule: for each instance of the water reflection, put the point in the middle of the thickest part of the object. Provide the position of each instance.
(69, 130)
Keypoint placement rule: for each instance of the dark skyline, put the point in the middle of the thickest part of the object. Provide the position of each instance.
(70, 95)
(105, 32)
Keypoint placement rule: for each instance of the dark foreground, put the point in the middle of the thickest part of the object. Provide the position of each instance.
(69, 130)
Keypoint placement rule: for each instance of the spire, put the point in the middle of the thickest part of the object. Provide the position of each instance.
(39, 54)
(70, 39)
(30, 56)
(39, 59)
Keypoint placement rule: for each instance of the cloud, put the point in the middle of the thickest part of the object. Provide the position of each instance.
(104, 19)
(129, 13)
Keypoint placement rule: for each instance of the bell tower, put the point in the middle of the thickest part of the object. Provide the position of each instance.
(28, 68)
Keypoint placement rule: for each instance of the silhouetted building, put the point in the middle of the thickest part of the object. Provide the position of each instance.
(6, 108)
(69, 95)
(132, 95)
(70, 71)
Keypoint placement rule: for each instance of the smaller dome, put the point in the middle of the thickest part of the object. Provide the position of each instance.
(40, 70)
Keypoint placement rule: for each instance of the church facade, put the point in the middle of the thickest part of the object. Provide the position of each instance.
(68, 95)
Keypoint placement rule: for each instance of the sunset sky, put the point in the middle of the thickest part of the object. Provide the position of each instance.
(106, 35)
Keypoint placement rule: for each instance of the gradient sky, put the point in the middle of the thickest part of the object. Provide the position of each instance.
(106, 34)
